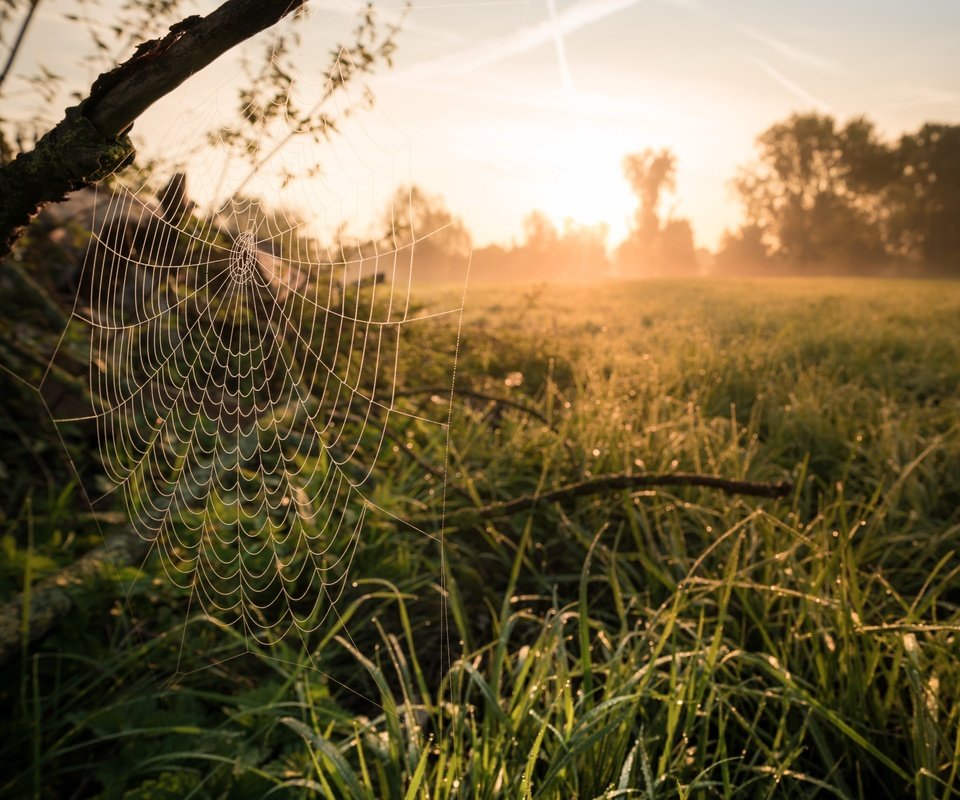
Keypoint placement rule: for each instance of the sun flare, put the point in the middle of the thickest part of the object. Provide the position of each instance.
(581, 179)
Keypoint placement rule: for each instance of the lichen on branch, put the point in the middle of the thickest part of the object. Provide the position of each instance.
(71, 155)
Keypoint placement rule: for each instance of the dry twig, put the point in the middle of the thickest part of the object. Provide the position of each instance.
(621, 482)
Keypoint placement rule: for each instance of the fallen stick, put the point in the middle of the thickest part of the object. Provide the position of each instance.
(619, 482)
(53, 598)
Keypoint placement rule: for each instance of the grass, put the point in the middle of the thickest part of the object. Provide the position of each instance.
(654, 644)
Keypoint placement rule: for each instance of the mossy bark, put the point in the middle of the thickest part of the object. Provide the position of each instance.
(53, 599)
(71, 155)
(91, 141)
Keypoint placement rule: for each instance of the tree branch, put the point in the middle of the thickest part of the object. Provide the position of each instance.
(90, 142)
(161, 65)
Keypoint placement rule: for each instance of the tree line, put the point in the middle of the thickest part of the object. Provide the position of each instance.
(822, 197)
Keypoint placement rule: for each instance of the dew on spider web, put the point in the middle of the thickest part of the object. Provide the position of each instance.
(243, 389)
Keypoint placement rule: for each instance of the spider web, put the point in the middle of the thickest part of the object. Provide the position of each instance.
(246, 366)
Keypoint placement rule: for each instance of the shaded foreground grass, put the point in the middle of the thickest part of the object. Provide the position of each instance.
(651, 644)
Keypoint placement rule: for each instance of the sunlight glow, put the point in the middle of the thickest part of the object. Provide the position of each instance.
(578, 176)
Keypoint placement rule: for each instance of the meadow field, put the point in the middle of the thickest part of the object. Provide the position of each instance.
(614, 640)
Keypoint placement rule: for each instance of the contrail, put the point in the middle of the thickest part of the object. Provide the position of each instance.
(791, 86)
(392, 16)
(577, 16)
(787, 50)
(561, 48)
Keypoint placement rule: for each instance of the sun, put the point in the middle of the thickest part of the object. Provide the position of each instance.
(580, 178)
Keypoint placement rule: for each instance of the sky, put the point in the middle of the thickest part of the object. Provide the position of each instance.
(505, 106)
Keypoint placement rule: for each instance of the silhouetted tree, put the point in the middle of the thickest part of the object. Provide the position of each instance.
(823, 196)
(649, 174)
(576, 253)
(924, 200)
(420, 229)
(817, 192)
(676, 247)
(655, 246)
(583, 252)
(540, 234)
(744, 252)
